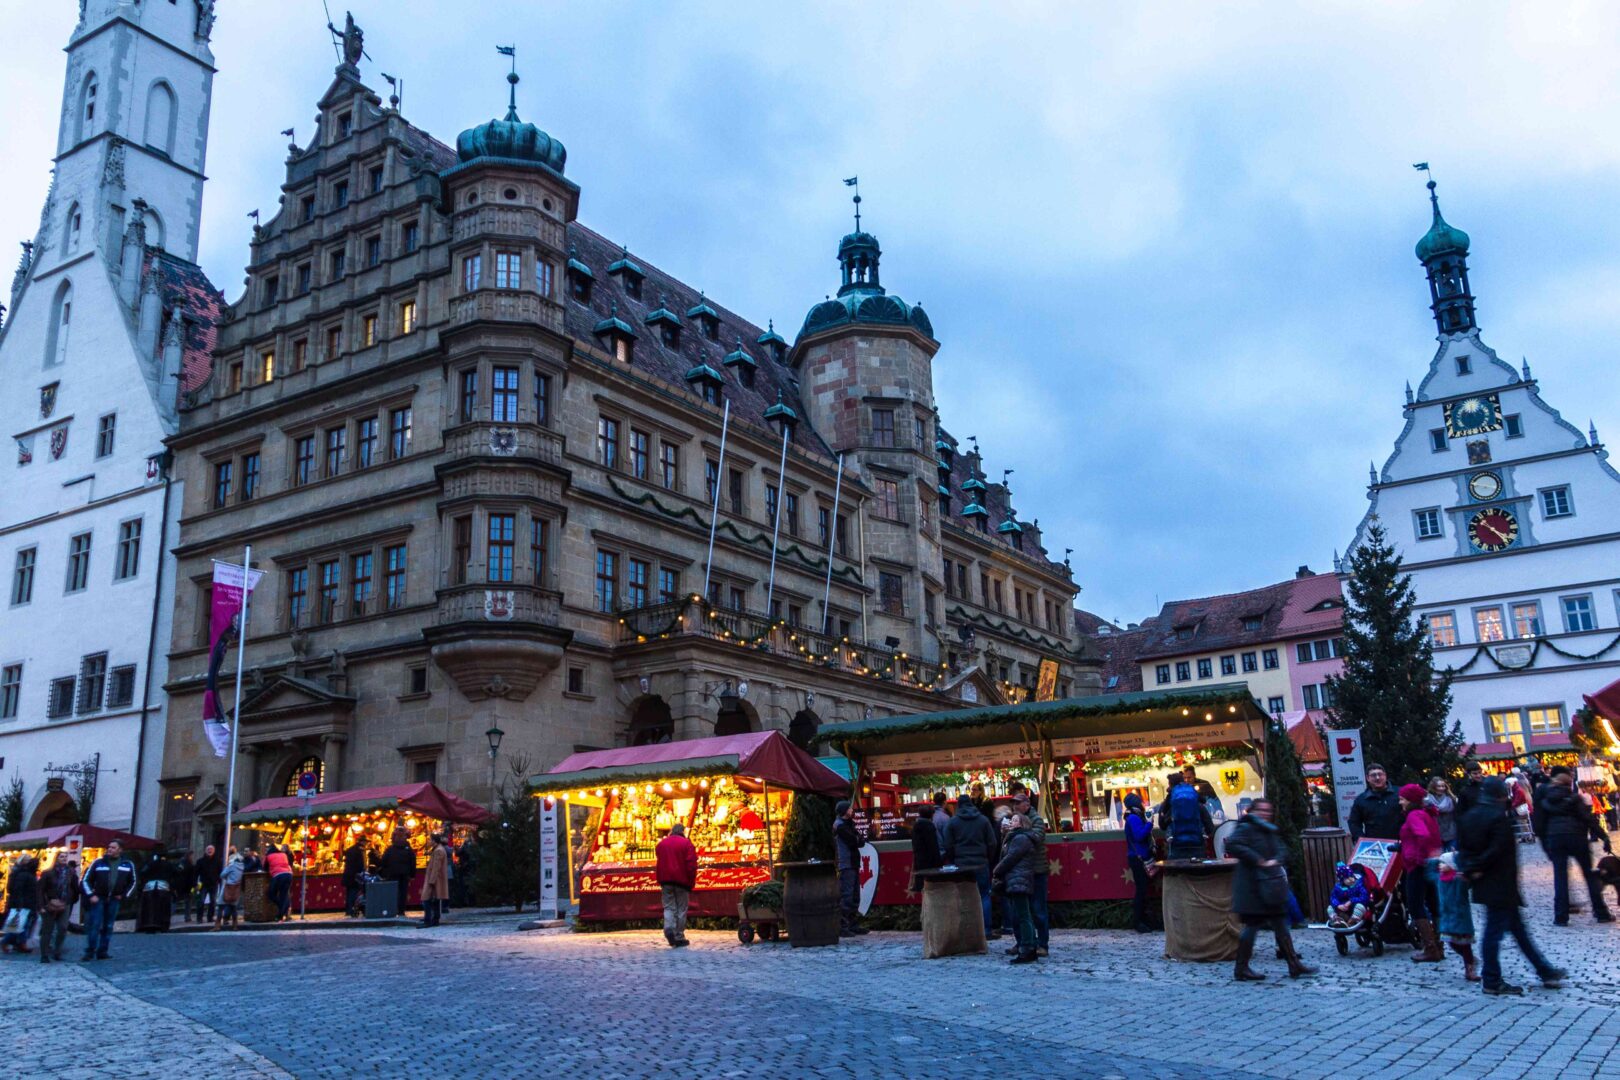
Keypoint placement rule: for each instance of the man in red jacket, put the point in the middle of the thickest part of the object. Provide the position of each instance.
(677, 877)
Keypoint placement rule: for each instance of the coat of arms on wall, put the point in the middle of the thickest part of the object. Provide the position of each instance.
(1231, 781)
(47, 400)
(58, 441)
(503, 442)
(498, 604)
(1479, 452)
(25, 450)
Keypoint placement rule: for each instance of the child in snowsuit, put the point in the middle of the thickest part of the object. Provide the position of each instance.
(1348, 901)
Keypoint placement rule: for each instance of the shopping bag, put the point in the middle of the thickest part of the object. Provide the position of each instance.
(16, 919)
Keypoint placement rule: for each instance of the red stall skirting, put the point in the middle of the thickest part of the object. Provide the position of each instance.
(1082, 869)
(606, 894)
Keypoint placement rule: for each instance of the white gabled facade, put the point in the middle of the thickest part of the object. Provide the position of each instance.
(1508, 518)
(91, 355)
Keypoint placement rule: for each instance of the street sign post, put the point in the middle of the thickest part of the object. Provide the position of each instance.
(309, 786)
(548, 857)
(1344, 763)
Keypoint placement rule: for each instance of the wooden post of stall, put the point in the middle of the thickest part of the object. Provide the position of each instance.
(568, 846)
(770, 848)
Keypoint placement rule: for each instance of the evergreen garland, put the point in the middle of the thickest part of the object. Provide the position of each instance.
(1390, 689)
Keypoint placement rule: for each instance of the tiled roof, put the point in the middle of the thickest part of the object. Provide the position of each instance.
(671, 365)
(997, 503)
(1217, 622)
(1087, 623)
(438, 155)
(1305, 613)
(1119, 650)
(183, 285)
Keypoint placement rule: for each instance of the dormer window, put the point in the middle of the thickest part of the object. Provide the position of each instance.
(345, 125)
(707, 318)
(628, 273)
(617, 335)
(944, 501)
(706, 381)
(669, 325)
(744, 364)
(1253, 622)
(580, 278)
(772, 343)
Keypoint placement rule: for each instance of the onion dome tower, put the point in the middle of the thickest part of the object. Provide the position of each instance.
(1443, 251)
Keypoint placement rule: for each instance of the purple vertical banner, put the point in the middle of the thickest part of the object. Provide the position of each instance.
(232, 587)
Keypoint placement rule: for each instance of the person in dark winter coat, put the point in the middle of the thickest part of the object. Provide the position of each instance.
(1016, 875)
(1488, 856)
(942, 816)
(925, 853)
(847, 842)
(58, 890)
(1260, 890)
(970, 843)
(109, 882)
(1377, 811)
(356, 863)
(1468, 792)
(22, 903)
(1024, 806)
(1138, 853)
(1567, 828)
(398, 864)
(208, 871)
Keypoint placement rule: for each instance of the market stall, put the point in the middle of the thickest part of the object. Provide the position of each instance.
(1081, 755)
(732, 792)
(85, 843)
(336, 818)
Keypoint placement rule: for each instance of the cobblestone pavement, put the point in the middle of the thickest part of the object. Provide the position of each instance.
(487, 1001)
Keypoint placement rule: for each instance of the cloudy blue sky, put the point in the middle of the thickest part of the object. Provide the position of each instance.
(1167, 248)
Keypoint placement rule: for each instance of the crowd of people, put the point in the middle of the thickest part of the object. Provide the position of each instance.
(207, 889)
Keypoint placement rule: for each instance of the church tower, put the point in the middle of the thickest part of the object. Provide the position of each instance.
(109, 317)
(1507, 516)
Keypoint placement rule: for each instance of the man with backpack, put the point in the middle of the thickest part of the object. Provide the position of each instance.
(1186, 818)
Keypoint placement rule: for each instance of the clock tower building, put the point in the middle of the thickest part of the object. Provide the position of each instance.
(1508, 519)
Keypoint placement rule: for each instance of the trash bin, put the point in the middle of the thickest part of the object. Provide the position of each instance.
(382, 900)
(1323, 848)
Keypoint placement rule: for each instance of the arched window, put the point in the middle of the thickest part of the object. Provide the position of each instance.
(71, 228)
(154, 229)
(56, 338)
(160, 117)
(86, 125)
(310, 764)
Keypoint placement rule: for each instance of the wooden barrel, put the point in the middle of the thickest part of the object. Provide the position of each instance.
(1323, 848)
(810, 904)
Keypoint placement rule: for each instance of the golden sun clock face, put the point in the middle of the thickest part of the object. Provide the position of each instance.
(1473, 416)
(1493, 529)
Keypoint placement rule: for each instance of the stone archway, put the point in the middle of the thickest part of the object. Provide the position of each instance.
(651, 721)
(803, 727)
(56, 808)
(736, 717)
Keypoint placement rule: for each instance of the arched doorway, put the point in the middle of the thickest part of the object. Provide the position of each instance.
(736, 717)
(56, 808)
(309, 763)
(802, 728)
(651, 722)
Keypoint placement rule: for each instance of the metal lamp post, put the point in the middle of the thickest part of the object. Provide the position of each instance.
(494, 735)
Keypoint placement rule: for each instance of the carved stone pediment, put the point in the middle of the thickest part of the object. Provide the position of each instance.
(289, 707)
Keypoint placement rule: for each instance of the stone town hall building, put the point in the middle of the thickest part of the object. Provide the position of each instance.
(475, 445)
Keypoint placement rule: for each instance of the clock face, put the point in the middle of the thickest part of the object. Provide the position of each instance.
(1474, 415)
(1493, 529)
(1484, 486)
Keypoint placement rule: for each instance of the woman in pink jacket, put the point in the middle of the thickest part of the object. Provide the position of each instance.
(1420, 842)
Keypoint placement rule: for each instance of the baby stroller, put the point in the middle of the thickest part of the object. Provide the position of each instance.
(1386, 918)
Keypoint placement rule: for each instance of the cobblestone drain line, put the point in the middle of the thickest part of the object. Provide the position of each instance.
(61, 1021)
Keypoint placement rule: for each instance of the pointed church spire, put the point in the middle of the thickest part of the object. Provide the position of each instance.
(1372, 475)
(1409, 391)
(1524, 368)
(1443, 251)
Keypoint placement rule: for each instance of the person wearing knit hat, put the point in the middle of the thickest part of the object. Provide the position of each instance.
(1488, 855)
(847, 842)
(1420, 842)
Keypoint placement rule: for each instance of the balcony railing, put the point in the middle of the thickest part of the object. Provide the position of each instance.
(691, 617)
(506, 305)
(487, 438)
(498, 602)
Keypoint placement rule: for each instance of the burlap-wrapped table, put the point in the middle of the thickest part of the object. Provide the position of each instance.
(1198, 919)
(952, 913)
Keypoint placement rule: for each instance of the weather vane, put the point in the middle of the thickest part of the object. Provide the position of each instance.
(855, 182)
(511, 79)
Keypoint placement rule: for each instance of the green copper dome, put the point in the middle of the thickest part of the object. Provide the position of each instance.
(511, 140)
(1441, 239)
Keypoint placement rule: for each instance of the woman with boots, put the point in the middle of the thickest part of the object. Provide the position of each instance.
(1456, 923)
(1420, 842)
(1260, 890)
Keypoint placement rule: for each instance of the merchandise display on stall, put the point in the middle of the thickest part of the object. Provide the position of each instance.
(733, 793)
(339, 818)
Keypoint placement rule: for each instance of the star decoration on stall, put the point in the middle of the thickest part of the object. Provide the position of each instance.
(1087, 854)
(1125, 876)
(1054, 867)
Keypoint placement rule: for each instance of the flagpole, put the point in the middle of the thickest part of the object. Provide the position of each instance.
(236, 712)
(776, 525)
(832, 536)
(714, 513)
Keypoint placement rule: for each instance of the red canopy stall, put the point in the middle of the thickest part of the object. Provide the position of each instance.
(336, 818)
(731, 792)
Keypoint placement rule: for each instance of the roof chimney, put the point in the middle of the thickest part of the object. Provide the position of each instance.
(1303, 572)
